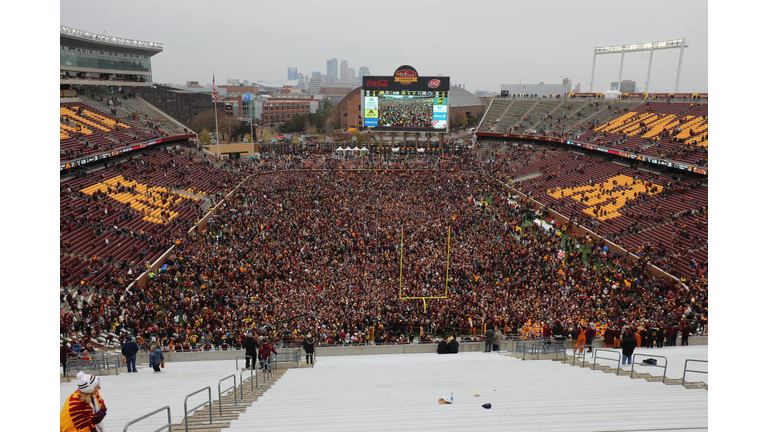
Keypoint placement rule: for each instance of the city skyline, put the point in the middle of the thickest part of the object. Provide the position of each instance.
(504, 43)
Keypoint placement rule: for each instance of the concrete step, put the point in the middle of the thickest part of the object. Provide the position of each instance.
(696, 385)
(199, 421)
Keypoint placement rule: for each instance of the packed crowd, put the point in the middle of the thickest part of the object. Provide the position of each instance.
(405, 112)
(320, 252)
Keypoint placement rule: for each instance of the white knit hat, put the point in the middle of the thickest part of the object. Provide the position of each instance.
(87, 383)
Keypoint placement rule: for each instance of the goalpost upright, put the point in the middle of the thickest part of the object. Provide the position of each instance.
(447, 269)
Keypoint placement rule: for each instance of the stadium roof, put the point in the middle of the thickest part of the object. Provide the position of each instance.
(81, 38)
(462, 98)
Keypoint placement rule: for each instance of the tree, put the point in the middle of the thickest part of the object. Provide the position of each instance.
(472, 120)
(459, 121)
(205, 137)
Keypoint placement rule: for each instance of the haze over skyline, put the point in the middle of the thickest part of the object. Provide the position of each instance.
(481, 45)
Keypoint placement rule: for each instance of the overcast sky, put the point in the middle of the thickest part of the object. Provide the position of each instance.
(481, 44)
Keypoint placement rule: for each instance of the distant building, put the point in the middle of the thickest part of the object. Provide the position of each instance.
(364, 72)
(351, 76)
(332, 69)
(338, 90)
(614, 85)
(315, 83)
(182, 105)
(343, 72)
(291, 73)
(233, 82)
(628, 86)
(538, 90)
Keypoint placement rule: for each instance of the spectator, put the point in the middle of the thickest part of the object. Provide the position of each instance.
(129, 350)
(250, 345)
(608, 335)
(84, 409)
(488, 340)
(266, 350)
(156, 358)
(686, 331)
(497, 338)
(628, 344)
(558, 331)
(64, 354)
(309, 348)
(590, 335)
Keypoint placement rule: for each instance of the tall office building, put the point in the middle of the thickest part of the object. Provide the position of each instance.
(351, 76)
(316, 74)
(332, 69)
(343, 71)
(291, 73)
(363, 73)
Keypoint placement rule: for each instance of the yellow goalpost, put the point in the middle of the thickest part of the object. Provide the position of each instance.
(447, 267)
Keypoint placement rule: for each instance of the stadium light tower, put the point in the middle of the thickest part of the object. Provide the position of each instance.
(647, 46)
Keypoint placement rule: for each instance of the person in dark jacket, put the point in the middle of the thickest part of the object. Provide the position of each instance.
(442, 347)
(309, 348)
(661, 335)
(488, 340)
(558, 331)
(628, 345)
(453, 346)
(250, 345)
(129, 350)
(653, 332)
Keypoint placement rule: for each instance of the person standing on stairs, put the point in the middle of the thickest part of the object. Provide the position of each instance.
(309, 348)
(628, 345)
(251, 345)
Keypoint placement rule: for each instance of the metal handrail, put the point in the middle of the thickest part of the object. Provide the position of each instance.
(253, 360)
(583, 354)
(632, 371)
(595, 357)
(234, 387)
(165, 426)
(187, 411)
(537, 347)
(685, 368)
(250, 378)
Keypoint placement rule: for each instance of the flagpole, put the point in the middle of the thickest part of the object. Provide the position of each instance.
(216, 115)
(250, 99)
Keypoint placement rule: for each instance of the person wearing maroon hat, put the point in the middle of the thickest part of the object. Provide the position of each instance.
(266, 350)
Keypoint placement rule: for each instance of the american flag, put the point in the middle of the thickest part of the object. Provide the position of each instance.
(215, 97)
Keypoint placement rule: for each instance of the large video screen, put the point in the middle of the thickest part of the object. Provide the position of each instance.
(406, 110)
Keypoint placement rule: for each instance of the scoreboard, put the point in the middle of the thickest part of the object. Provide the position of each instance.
(405, 102)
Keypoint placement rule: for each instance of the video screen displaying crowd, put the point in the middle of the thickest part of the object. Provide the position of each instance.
(292, 253)
(406, 112)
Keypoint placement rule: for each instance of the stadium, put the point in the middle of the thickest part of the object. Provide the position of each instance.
(556, 228)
